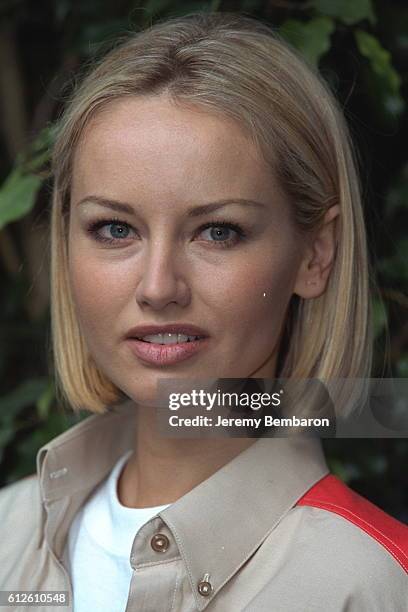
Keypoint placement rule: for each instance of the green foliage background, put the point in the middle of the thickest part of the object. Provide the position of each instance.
(360, 47)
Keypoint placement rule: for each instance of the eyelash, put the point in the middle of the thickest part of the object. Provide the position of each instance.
(98, 224)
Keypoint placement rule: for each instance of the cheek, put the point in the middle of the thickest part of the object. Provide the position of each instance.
(98, 292)
(257, 296)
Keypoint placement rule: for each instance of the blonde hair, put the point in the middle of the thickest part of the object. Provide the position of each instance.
(235, 66)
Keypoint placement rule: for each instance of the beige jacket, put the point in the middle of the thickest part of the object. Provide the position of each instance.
(259, 533)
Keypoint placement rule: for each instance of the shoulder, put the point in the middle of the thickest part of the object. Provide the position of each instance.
(358, 552)
(335, 498)
(20, 508)
(333, 544)
(317, 560)
(24, 490)
(20, 530)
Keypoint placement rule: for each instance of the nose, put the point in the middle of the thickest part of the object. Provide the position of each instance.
(162, 279)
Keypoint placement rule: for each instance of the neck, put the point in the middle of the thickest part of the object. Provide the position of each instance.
(161, 470)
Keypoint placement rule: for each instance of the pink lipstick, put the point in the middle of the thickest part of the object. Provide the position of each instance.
(165, 354)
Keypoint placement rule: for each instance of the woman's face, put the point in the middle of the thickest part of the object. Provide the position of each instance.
(162, 266)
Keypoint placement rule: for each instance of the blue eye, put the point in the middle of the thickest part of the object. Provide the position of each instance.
(219, 234)
(118, 227)
(121, 230)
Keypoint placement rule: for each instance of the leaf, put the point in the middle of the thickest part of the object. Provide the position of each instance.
(380, 316)
(397, 197)
(27, 448)
(379, 58)
(17, 195)
(311, 38)
(44, 139)
(38, 152)
(192, 6)
(346, 11)
(44, 402)
(6, 435)
(62, 8)
(378, 465)
(395, 268)
(154, 7)
(402, 367)
(26, 394)
(250, 5)
(95, 36)
(345, 471)
(19, 190)
(382, 80)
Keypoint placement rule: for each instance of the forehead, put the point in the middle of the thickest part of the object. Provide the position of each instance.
(166, 151)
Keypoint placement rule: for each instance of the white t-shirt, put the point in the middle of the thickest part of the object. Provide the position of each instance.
(98, 547)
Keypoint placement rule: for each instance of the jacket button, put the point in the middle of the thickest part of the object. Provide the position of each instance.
(204, 588)
(159, 542)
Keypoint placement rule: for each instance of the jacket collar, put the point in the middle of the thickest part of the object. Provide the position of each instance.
(217, 525)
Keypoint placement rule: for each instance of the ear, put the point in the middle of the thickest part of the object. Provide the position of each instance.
(317, 262)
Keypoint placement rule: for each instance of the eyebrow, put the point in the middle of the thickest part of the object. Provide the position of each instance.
(195, 211)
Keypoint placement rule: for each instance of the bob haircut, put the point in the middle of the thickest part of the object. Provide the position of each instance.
(235, 66)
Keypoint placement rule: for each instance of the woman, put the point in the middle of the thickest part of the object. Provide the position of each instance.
(204, 187)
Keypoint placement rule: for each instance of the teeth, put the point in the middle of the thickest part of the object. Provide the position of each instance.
(169, 338)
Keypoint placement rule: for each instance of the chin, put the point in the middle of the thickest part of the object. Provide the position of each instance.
(143, 397)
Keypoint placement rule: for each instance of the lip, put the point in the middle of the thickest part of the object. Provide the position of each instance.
(170, 328)
(165, 354)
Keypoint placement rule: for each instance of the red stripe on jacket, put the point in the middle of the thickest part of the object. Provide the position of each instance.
(331, 494)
